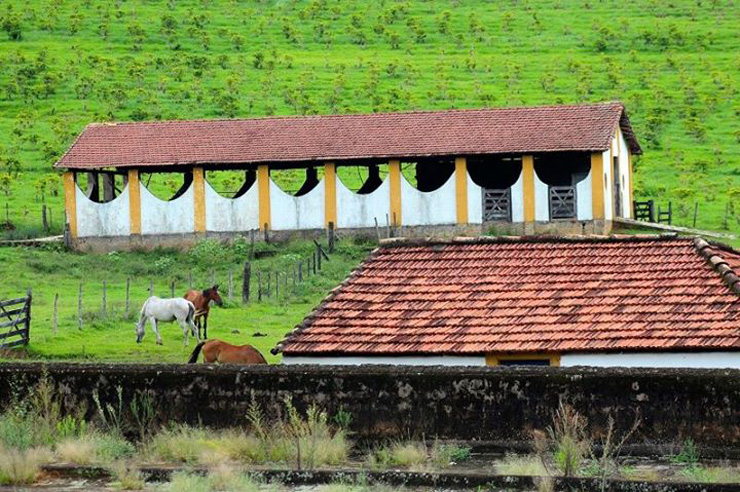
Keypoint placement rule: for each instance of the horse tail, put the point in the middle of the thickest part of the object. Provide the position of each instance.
(196, 352)
(191, 313)
(141, 313)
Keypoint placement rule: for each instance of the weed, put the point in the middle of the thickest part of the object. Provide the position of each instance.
(448, 454)
(126, 477)
(521, 465)
(21, 467)
(689, 454)
(407, 454)
(178, 444)
(568, 434)
(76, 451)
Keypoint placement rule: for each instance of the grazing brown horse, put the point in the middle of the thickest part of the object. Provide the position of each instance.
(202, 300)
(225, 353)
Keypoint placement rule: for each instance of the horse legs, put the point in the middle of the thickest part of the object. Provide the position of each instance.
(205, 326)
(153, 322)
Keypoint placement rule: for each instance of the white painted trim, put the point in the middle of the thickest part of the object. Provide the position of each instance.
(232, 214)
(428, 208)
(475, 202)
(699, 360)
(167, 217)
(102, 219)
(293, 213)
(584, 203)
(401, 360)
(355, 210)
(517, 199)
(541, 200)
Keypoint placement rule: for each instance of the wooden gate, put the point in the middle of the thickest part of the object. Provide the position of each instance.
(15, 321)
(497, 204)
(562, 202)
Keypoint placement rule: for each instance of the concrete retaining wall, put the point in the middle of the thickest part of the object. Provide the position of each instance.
(484, 404)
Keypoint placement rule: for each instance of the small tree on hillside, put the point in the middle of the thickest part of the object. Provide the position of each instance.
(10, 21)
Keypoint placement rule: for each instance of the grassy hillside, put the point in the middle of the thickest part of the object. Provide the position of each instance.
(675, 65)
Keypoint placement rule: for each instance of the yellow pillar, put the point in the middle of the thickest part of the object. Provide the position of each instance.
(394, 175)
(330, 193)
(134, 201)
(597, 185)
(263, 185)
(199, 197)
(461, 189)
(528, 187)
(70, 202)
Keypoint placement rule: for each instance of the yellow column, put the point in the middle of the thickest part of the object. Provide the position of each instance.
(528, 187)
(394, 175)
(330, 193)
(199, 197)
(70, 202)
(134, 201)
(461, 189)
(263, 185)
(631, 185)
(597, 185)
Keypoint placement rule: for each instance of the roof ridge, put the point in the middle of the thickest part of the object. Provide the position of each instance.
(308, 320)
(540, 238)
(343, 115)
(718, 264)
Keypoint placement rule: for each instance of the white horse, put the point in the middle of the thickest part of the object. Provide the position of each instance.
(156, 309)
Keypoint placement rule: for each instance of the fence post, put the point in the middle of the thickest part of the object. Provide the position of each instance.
(44, 220)
(151, 287)
(127, 304)
(696, 211)
(300, 271)
(331, 237)
(213, 276)
(377, 229)
(231, 282)
(277, 284)
(55, 315)
(79, 308)
(268, 290)
(245, 281)
(259, 286)
(294, 280)
(104, 306)
(29, 301)
(172, 288)
(190, 279)
(318, 257)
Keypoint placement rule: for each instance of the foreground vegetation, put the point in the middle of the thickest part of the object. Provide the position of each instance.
(122, 436)
(109, 335)
(675, 65)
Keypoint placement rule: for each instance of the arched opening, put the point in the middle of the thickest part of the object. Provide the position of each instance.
(495, 174)
(297, 182)
(167, 186)
(561, 172)
(101, 186)
(231, 184)
(428, 174)
(362, 179)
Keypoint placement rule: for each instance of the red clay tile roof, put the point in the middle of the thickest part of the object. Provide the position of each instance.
(587, 127)
(475, 296)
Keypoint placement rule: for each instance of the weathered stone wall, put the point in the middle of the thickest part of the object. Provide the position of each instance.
(485, 404)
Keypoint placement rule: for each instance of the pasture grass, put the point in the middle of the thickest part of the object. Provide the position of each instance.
(110, 336)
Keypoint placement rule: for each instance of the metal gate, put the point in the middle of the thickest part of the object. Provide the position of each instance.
(562, 202)
(497, 204)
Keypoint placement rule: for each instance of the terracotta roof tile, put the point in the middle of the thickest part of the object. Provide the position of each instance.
(531, 294)
(587, 127)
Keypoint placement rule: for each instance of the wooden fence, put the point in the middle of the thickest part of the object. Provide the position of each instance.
(15, 321)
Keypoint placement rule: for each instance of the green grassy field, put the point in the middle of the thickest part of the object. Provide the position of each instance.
(675, 65)
(111, 337)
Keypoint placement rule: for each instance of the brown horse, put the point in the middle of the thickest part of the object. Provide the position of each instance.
(225, 353)
(202, 300)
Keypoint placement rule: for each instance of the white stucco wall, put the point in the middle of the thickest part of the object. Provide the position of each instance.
(102, 219)
(609, 186)
(232, 214)
(439, 360)
(584, 204)
(172, 217)
(355, 210)
(624, 171)
(541, 200)
(517, 200)
(699, 360)
(475, 202)
(290, 213)
(428, 208)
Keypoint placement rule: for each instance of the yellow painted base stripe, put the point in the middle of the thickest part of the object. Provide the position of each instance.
(330, 193)
(394, 175)
(263, 184)
(70, 202)
(461, 189)
(528, 187)
(199, 197)
(134, 201)
(597, 185)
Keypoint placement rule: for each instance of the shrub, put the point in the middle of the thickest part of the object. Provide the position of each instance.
(446, 454)
(568, 434)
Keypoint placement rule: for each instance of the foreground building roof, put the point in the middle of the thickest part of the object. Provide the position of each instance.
(585, 127)
(525, 295)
